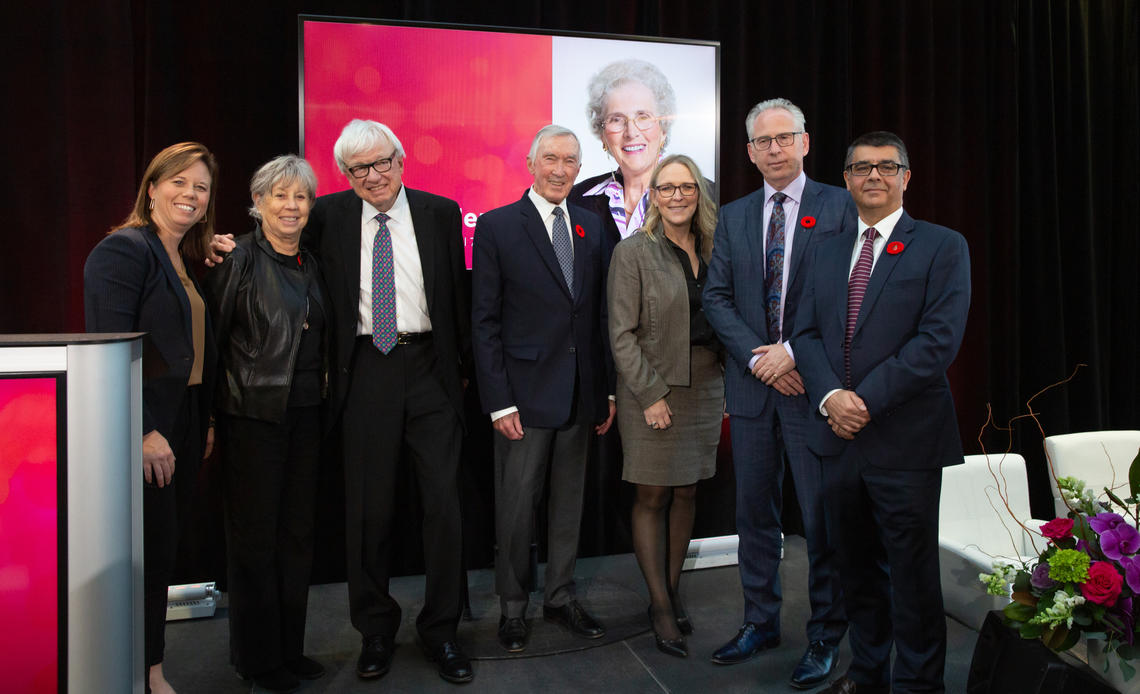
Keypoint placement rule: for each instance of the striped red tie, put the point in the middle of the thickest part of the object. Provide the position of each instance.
(856, 288)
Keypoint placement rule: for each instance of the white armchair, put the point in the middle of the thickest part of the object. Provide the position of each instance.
(975, 529)
(1100, 458)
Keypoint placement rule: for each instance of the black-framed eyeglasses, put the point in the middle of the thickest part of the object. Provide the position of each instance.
(618, 122)
(886, 168)
(380, 166)
(783, 139)
(668, 190)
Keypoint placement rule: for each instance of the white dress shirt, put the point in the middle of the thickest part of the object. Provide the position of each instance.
(411, 298)
(795, 193)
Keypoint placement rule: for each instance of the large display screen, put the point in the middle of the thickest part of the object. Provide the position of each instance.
(466, 102)
(32, 527)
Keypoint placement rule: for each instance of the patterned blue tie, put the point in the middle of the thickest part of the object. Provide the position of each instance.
(562, 248)
(383, 289)
(774, 266)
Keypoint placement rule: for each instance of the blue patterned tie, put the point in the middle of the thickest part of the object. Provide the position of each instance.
(562, 249)
(383, 289)
(774, 266)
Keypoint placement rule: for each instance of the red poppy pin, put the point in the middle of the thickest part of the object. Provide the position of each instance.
(895, 247)
(581, 232)
(807, 222)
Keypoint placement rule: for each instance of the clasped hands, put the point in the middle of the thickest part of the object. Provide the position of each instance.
(846, 413)
(776, 368)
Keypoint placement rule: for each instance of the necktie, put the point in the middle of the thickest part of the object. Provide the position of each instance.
(856, 288)
(383, 289)
(562, 249)
(774, 266)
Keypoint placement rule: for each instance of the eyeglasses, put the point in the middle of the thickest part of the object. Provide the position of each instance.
(380, 166)
(863, 168)
(618, 122)
(668, 190)
(783, 139)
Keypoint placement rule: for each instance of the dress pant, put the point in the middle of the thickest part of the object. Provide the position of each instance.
(522, 469)
(397, 400)
(885, 524)
(161, 509)
(270, 502)
(759, 446)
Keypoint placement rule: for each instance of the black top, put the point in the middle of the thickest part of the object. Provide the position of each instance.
(305, 390)
(700, 332)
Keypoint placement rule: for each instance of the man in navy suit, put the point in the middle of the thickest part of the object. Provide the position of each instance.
(878, 331)
(761, 257)
(543, 368)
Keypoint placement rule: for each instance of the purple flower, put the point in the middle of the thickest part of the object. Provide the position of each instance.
(1131, 566)
(1040, 580)
(1103, 522)
(1119, 541)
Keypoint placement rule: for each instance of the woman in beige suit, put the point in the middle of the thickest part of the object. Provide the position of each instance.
(670, 392)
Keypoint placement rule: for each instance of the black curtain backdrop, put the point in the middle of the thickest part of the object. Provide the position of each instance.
(1021, 117)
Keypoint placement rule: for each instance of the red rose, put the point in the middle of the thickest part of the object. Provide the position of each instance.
(895, 247)
(1058, 528)
(1103, 586)
(807, 222)
(581, 232)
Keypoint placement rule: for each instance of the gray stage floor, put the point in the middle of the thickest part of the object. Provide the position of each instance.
(197, 654)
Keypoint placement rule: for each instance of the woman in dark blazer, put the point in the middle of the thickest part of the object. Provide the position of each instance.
(670, 386)
(271, 314)
(136, 280)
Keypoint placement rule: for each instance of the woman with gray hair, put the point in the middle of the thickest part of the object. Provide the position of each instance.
(630, 108)
(270, 314)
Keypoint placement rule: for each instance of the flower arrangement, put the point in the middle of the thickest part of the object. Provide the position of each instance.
(1086, 579)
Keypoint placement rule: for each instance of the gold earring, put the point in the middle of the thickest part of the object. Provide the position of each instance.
(152, 203)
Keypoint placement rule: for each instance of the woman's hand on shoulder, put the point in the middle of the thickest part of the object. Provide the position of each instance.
(221, 243)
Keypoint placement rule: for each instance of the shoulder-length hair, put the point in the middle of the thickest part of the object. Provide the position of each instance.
(704, 221)
(166, 164)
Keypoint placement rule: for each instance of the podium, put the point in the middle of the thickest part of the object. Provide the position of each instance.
(71, 570)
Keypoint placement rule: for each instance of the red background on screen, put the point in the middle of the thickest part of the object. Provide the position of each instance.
(29, 581)
(465, 105)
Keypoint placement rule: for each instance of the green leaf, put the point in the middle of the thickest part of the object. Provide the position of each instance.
(1071, 638)
(1031, 631)
(1127, 652)
(1098, 635)
(1021, 583)
(1134, 475)
(1126, 669)
(1119, 502)
(1018, 612)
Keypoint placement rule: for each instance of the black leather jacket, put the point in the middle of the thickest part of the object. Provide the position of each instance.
(260, 303)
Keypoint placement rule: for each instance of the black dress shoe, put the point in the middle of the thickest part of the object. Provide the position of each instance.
(844, 685)
(305, 668)
(684, 624)
(513, 633)
(818, 662)
(277, 680)
(375, 657)
(454, 666)
(575, 618)
(750, 640)
(674, 647)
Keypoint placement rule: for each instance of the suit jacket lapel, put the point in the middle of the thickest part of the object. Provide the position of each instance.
(348, 230)
(754, 220)
(536, 231)
(809, 207)
(883, 269)
(172, 278)
(423, 224)
(580, 253)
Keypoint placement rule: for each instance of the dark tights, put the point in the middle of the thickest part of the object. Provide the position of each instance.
(662, 527)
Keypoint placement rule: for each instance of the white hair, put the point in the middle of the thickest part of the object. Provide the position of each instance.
(552, 130)
(286, 168)
(622, 72)
(360, 136)
(783, 104)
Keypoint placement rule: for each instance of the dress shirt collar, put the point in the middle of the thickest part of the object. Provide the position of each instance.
(885, 225)
(400, 211)
(794, 190)
(545, 207)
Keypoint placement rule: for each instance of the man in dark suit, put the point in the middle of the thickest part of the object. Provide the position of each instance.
(761, 257)
(877, 333)
(392, 259)
(542, 360)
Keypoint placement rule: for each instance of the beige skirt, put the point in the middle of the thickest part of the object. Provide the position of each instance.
(685, 452)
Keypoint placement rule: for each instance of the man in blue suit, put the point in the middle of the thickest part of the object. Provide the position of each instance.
(544, 375)
(761, 257)
(877, 333)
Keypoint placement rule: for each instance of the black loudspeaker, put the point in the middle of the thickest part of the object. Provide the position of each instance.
(1005, 663)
